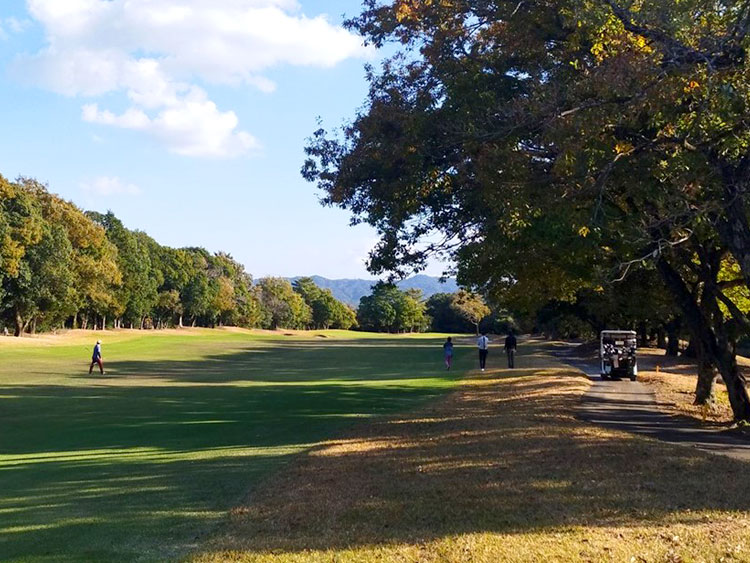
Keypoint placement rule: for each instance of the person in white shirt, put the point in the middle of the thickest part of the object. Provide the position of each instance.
(483, 343)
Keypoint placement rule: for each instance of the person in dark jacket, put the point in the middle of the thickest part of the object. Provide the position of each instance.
(510, 349)
(96, 358)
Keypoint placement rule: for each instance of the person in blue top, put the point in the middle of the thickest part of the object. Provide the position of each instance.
(448, 352)
(96, 358)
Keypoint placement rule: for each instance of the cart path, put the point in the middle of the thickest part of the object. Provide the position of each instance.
(631, 406)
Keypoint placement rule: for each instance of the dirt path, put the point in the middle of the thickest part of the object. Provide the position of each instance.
(632, 406)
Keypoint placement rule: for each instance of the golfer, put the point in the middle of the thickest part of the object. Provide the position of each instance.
(96, 358)
(448, 352)
(510, 349)
(483, 343)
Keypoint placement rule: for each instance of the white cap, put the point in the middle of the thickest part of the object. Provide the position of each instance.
(98, 341)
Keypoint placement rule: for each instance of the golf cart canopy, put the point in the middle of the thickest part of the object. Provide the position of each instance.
(619, 335)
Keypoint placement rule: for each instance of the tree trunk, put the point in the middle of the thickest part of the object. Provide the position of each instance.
(690, 350)
(717, 350)
(673, 338)
(32, 328)
(733, 226)
(104, 322)
(642, 335)
(661, 338)
(180, 323)
(84, 322)
(705, 388)
(19, 325)
(75, 321)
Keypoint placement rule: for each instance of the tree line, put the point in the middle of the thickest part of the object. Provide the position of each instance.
(61, 267)
(586, 164)
(389, 309)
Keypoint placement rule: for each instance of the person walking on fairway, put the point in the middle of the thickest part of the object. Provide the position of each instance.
(483, 343)
(96, 358)
(510, 348)
(448, 352)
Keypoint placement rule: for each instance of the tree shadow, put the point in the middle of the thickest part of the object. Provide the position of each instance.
(141, 464)
(305, 361)
(506, 458)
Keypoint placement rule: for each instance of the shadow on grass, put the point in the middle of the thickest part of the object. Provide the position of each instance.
(306, 361)
(506, 457)
(121, 471)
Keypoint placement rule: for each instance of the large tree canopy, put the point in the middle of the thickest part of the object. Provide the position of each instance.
(553, 147)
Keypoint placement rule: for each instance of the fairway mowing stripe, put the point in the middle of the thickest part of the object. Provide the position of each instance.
(149, 455)
(32, 528)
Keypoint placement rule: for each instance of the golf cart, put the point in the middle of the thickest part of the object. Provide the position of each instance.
(617, 354)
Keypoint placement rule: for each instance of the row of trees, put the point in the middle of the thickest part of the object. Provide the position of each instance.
(62, 267)
(568, 153)
(389, 309)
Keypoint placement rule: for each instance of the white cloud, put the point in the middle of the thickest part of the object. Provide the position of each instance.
(12, 25)
(110, 186)
(16, 25)
(191, 126)
(156, 50)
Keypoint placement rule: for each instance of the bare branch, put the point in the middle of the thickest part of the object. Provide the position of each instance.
(660, 246)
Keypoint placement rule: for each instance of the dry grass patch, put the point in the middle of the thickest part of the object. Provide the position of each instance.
(674, 386)
(501, 470)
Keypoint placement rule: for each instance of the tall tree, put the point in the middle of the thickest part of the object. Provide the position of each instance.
(138, 293)
(285, 308)
(42, 287)
(471, 307)
(388, 309)
(530, 133)
(327, 311)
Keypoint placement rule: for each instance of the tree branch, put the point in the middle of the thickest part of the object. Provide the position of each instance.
(737, 315)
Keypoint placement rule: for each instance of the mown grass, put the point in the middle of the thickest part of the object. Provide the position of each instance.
(500, 470)
(143, 463)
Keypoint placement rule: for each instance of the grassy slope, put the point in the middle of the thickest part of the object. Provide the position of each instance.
(500, 470)
(142, 463)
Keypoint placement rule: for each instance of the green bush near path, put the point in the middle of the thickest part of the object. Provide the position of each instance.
(141, 464)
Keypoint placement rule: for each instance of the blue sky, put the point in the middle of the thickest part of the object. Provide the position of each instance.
(187, 118)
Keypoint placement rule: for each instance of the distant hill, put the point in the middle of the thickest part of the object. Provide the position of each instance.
(352, 290)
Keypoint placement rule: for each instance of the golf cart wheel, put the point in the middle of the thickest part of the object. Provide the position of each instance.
(633, 377)
(605, 377)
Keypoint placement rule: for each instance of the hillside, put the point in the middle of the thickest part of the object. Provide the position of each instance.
(352, 290)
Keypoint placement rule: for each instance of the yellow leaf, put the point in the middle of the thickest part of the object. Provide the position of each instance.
(404, 11)
(622, 147)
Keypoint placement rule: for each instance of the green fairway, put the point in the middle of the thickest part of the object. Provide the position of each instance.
(143, 462)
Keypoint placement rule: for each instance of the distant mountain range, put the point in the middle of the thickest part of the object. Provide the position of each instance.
(352, 290)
